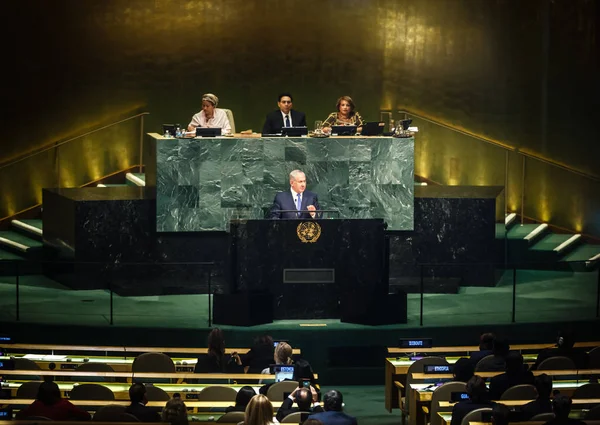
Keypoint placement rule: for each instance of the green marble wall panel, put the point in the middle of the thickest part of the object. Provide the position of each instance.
(203, 183)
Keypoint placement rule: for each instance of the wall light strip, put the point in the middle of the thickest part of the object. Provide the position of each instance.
(566, 243)
(536, 231)
(509, 218)
(28, 227)
(14, 244)
(135, 179)
(101, 185)
(592, 260)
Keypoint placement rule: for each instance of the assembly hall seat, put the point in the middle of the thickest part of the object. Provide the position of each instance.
(277, 390)
(94, 367)
(91, 392)
(153, 363)
(110, 413)
(28, 389)
(520, 392)
(232, 417)
(218, 393)
(156, 394)
(587, 391)
(443, 393)
(557, 363)
(475, 415)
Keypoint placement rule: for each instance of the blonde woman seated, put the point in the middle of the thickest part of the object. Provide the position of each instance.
(345, 115)
(283, 356)
(210, 116)
(259, 411)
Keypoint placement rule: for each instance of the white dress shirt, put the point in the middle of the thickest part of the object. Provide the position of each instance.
(219, 120)
(289, 114)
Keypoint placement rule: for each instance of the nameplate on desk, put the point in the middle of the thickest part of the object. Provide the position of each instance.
(458, 396)
(432, 368)
(415, 343)
(5, 339)
(68, 366)
(7, 364)
(6, 413)
(191, 396)
(184, 369)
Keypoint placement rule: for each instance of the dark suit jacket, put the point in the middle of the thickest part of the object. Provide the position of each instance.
(502, 382)
(285, 201)
(209, 364)
(143, 413)
(460, 410)
(334, 418)
(258, 358)
(274, 121)
(287, 408)
(478, 355)
(535, 407)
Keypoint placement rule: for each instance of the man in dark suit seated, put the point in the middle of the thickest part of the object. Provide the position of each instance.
(137, 408)
(297, 198)
(333, 415)
(478, 398)
(515, 374)
(542, 404)
(285, 116)
(565, 342)
(561, 406)
(486, 344)
(305, 398)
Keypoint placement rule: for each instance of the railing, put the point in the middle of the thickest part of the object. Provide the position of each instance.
(44, 167)
(517, 163)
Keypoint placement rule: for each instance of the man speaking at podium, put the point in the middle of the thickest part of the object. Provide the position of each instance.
(297, 198)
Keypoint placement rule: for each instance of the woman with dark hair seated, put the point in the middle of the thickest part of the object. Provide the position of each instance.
(50, 405)
(216, 361)
(345, 114)
(260, 355)
(242, 399)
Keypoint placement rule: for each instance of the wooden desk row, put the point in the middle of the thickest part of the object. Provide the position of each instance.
(101, 403)
(472, 348)
(122, 349)
(129, 375)
(514, 403)
(554, 373)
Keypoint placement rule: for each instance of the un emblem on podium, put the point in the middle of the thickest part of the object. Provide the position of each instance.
(308, 231)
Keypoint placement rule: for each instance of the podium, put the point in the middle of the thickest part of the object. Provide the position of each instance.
(307, 266)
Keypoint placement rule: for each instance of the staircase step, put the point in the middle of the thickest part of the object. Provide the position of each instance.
(32, 228)
(112, 185)
(550, 241)
(136, 179)
(583, 252)
(520, 231)
(19, 243)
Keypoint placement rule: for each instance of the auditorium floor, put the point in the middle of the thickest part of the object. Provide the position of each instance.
(541, 296)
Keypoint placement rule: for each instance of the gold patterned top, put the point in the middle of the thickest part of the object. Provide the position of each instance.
(335, 119)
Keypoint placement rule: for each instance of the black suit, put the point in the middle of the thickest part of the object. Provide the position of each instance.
(285, 201)
(535, 407)
(258, 358)
(274, 121)
(460, 410)
(143, 413)
(502, 382)
(287, 408)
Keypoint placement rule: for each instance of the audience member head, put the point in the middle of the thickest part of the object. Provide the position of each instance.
(463, 369)
(216, 343)
(312, 422)
(48, 393)
(476, 388)
(333, 400)
(500, 414)
(565, 339)
(514, 363)
(244, 396)
(175, 412)
(543, 385)
(303, 370)
(304, 399)
(137, 393)
(259, 411)
(283, 353)
(501, 347)
(486, 341)
(263, 340)
(561, 406)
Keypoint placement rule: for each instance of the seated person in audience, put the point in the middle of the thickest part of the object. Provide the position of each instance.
(210, 116)
(500, 414)
(305, 398)
(285, 116)
(259, 411)
(333, 414)
(542, 404)
(463, 369)
(302, 371)
(500, 351)
(561, 406)
(478, 398)
(282, 355)
(216, 361)
(345, 115)
(49, 404)
(565, 342)
(175, 412)
(137, 408)
(516, 374)
(260, 355)
(242, 399)
(486, 346)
